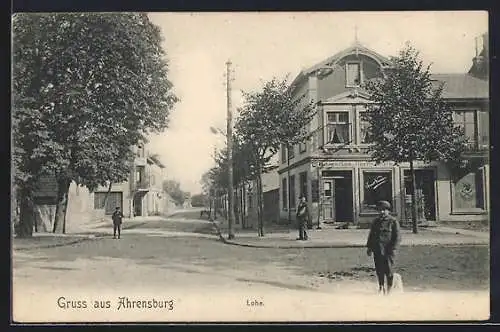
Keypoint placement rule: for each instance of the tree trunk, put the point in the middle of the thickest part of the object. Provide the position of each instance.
(237, 206)
(413, 199)
(259, 203)
(26, 214)
(210, 198)
(216, 205)
(288, 190)
(107, 195)
(244, 207)
(62, 205)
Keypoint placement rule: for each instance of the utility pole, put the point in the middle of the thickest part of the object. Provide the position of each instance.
(229, 137)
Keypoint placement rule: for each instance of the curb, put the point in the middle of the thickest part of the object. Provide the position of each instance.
(219, 233)
(336, 246)
(339, 246)
(95, 236)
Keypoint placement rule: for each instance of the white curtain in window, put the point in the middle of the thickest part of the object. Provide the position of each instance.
(338, 133)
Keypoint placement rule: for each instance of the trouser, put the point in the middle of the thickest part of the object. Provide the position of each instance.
(302, 229)
(383, 268)
(116, 228)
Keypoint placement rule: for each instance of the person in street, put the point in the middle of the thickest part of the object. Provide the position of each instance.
(383, 240)
(302, 218)
(117, 222)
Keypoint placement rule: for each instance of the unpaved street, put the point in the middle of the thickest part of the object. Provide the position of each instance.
(181, 255)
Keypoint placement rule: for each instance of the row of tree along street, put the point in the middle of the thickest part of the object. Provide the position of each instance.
(86, 87)
(408, 121)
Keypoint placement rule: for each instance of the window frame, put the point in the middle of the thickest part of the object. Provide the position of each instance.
(284, 153)
(284, 194)
(303, 184)
(463, 123)
(292, 192)
(291, 151)
(302, 147)
(337, 121)
(360, 70)
(362, 172)
(358, 129)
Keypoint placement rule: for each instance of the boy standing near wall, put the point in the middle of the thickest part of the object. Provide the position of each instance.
(117, 222)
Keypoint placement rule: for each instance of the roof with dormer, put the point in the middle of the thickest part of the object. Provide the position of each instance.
(456, 86)
(330, 63)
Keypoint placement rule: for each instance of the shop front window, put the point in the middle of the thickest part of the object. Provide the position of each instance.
(377, 186)
(468, 192)
(292, 192)
(284, 194)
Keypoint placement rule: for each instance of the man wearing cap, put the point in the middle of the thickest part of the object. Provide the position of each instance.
(383, 240)
(302, 217)
(117, 222)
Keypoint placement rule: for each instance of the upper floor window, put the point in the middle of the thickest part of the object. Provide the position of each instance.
(302, 147)
(353, 74)
(140, 151)
(291, 152)
(364, 127)
(467, 120)
(337, 127)
(283, 153)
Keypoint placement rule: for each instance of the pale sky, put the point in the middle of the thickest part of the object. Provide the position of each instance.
(263, 45)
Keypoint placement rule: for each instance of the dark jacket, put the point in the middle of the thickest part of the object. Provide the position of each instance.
(384, 236)
(302, 211)
(117, 217)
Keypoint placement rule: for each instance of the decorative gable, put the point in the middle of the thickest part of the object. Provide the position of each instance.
(354, 96)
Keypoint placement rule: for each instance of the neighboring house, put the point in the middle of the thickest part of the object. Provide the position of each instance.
(141, 195)
(245, 198)
(270, 197)
(334, 170)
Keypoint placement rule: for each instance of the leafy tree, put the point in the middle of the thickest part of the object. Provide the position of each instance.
(92, 85)
(410, 121)
(173, 188)
(199, 200)
(243, 171)
(271, 117)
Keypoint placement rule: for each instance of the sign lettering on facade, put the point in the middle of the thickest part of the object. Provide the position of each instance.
(355, 163)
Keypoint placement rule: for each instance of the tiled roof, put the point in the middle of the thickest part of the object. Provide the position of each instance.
(462, 86)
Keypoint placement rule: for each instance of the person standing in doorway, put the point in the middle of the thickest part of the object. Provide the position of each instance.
(383, 240)
(302, 217)
(117, 222)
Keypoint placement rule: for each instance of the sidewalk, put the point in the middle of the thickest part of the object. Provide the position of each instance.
(329, 237)
(84, 233)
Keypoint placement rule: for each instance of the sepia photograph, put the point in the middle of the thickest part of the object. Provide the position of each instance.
(230, 167)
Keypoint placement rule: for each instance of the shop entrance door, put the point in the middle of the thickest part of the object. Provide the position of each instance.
(337, 196)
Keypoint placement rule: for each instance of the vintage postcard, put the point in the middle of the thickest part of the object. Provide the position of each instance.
(250, 167)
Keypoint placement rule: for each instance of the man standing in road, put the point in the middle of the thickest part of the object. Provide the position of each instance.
(383, 240)
(117, 222)
(302, 217)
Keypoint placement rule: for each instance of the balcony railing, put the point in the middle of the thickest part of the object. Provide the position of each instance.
(475, 146)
